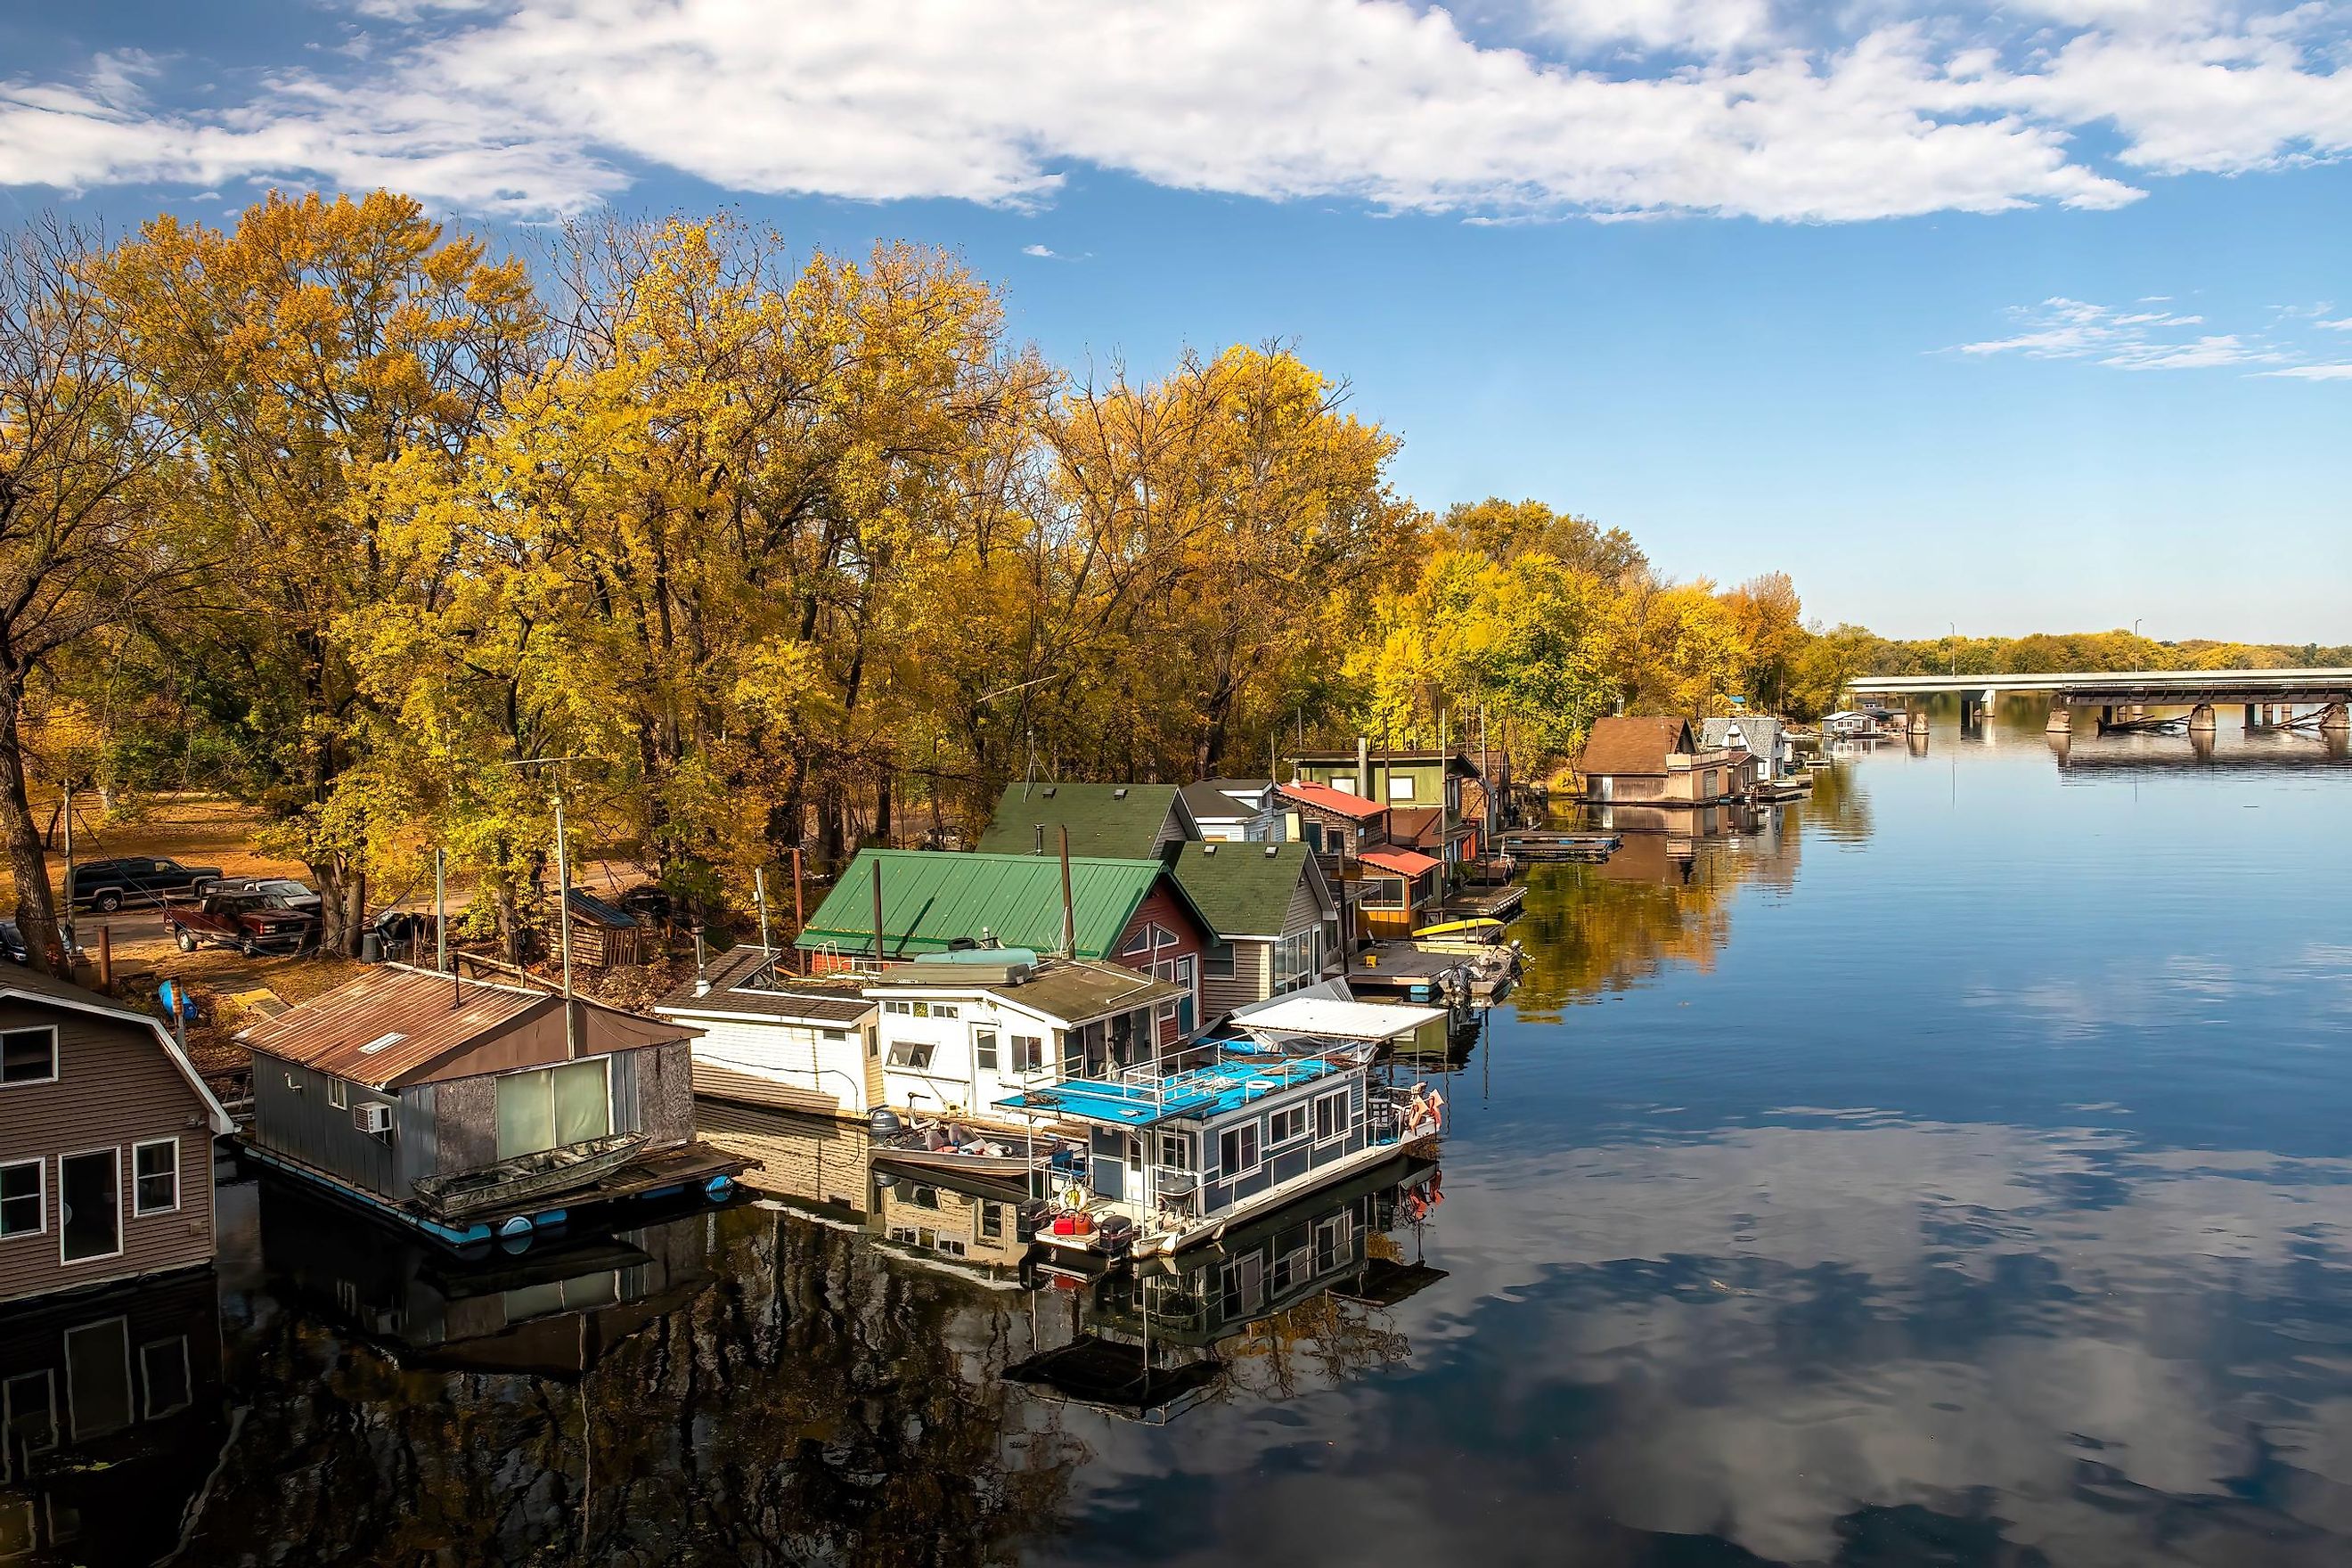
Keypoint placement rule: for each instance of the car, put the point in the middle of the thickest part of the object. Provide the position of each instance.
(107, 885)
(12, 945)
(253, 924)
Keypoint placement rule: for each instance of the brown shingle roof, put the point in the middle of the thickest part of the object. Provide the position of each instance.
(1619, 745)
(743, 983)
(395, 1025)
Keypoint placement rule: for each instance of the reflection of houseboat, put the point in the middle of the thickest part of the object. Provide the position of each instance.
(468, 1110)
(110, 1419)
(1180, 1153)
(1146, 1345)
(554, 1311)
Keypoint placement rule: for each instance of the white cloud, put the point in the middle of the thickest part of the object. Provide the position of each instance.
(2315, 372)
(2343, 326)
(542, 106)
(2061, 328)
(1046, 251)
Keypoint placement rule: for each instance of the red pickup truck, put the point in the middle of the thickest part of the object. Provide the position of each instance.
(251, 922)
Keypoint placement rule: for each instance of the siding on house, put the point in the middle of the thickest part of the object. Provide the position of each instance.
(816, 1159)
(115, 1088)
(1183, 942)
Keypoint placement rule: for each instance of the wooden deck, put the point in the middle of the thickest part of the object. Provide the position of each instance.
(1546, 845)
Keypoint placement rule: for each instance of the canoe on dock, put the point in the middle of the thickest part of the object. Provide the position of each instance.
(1543, 844)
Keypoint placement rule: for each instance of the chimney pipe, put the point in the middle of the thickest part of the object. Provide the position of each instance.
(1069, 904)
(1364, 766)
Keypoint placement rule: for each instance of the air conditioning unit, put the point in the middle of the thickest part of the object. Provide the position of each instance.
(374, 1119)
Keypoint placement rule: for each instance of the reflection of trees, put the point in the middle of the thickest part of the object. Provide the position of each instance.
(1664, 895)
(813, 1404)
(1322, 1342)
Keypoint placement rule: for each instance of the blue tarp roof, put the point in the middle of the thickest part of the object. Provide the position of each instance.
(1205, 1092)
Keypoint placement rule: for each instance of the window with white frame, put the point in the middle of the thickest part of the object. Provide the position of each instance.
(1237, 1151)
(24, 1207)
(1138, 941)
(1293, 960)
(29, 1055)
(155, 1176)
(900, 1008)
(338, 1094)
(1331, 1117)
(984, 1049)
(946, 1010)
(1399, 786)
(1384, 893)
(916, 1053)
(1288, 1125)
(1176, 1151)
(1028, 1053)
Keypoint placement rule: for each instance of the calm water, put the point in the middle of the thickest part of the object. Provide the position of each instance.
(1954, 1173)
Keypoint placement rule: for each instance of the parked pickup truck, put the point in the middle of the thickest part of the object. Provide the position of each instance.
(250, 922)
(108, 885)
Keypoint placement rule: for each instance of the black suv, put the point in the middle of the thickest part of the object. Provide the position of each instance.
(108, 885)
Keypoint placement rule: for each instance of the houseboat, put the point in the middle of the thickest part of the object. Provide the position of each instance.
(1180, 1153)
(469, 1110)
(768, 1038)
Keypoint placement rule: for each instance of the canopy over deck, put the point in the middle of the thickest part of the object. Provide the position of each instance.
(1146, 1100)
(1339, 1020)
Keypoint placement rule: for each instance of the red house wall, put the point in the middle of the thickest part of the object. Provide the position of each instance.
(1182, 938)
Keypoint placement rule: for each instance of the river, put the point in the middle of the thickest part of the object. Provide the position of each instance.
(1953, 1172)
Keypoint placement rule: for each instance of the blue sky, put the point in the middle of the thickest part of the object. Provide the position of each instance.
(2033, 318)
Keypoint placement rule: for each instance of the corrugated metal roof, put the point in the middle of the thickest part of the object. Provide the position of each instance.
(597, 910)
(1339, 801)
(1403, 862)
(929, 899)
(743, 982)
(1119, 820)
(1073, 993)
(394, 1024)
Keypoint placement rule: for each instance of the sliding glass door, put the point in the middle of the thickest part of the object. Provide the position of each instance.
(552, 1106)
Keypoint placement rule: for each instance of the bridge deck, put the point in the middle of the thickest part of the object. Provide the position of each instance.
(2163, 686)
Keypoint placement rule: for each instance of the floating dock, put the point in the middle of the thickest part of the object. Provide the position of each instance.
(1473, 903)
(1542, 843)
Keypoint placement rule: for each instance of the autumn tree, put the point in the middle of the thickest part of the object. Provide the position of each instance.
(83, 479)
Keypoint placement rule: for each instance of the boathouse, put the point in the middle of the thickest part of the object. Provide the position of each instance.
(1407, 777)
(1274, 924)
(1399, 890)
(106, 1142)
(1659, 762)
(1129, 912)
(1118, 822)
(1334, 823)
(1766, 740)
(403, 1075)
(767, 1038)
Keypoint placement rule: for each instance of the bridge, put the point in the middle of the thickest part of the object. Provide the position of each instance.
(2271, 696)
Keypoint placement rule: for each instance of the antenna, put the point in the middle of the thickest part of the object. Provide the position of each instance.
(562, 895)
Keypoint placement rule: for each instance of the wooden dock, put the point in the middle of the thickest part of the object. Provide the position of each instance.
(1473, 903)
(1544, 844)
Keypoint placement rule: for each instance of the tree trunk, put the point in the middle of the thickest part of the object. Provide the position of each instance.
(37, 911)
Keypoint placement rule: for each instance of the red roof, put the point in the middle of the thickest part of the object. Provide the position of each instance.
(1403, 862)
(1324, 797)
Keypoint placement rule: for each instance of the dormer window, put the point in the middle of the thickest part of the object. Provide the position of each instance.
(29, 1055)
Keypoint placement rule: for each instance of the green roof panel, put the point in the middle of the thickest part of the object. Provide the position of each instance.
(930, 898)
(1122, 821)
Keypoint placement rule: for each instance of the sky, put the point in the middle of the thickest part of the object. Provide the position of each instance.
(2034, 317)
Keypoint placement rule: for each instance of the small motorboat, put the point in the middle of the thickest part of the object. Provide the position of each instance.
(526, 1178)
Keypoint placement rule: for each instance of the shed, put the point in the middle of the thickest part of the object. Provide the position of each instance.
(605, 936)
(403, 1074)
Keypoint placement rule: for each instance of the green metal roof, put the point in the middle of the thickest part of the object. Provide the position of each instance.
(1241, 888)
(930, 897)
(1119, 820)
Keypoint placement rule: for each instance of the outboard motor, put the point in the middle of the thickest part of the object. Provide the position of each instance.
(1031, 1216)
(1115, 1234)
(883, 1123)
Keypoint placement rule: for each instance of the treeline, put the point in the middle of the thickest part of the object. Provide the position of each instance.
(337, 512)
(2069, 653)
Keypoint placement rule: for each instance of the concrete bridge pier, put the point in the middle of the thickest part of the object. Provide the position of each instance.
(2334, 719)
(1918, 724)
(2201, 721)
(2061, 721)
(2250, 715)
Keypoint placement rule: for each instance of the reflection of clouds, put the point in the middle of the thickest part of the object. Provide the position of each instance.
(2138, 994)
(2113, 1356)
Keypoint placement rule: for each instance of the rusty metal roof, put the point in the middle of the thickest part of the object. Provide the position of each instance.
(395, 1025)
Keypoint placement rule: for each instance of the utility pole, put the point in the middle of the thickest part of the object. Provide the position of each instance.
(564, 924)
(441, 923)
(760, 891)
(66, 925)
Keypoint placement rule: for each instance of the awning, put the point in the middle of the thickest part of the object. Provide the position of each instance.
(1340, 1020)
(1399, 862)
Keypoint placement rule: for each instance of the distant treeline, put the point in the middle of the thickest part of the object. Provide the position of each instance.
(2071, 652)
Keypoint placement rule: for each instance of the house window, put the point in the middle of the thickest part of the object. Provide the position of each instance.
(834, 1036)
(1237, 1152)
(984, 1049)
(1344, 783)
(1399, 786)
(926, 1197)
(23, 1205)
(1138, 941)
(1218, 963)
(946, 1010)
(1176, 1151)
(551, 1107)
(1311, 833)
(1288, 1125)
(900, 1008)
(29, 1055)
(338, 1094)
(1028, 1053)
(1331, 1117)
(952, 1247)
(922, 1009)
(1384, 893)
(913, 1054)
(164, 1374)
(992, 1221)
(1293, 960)
(155, 1176)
